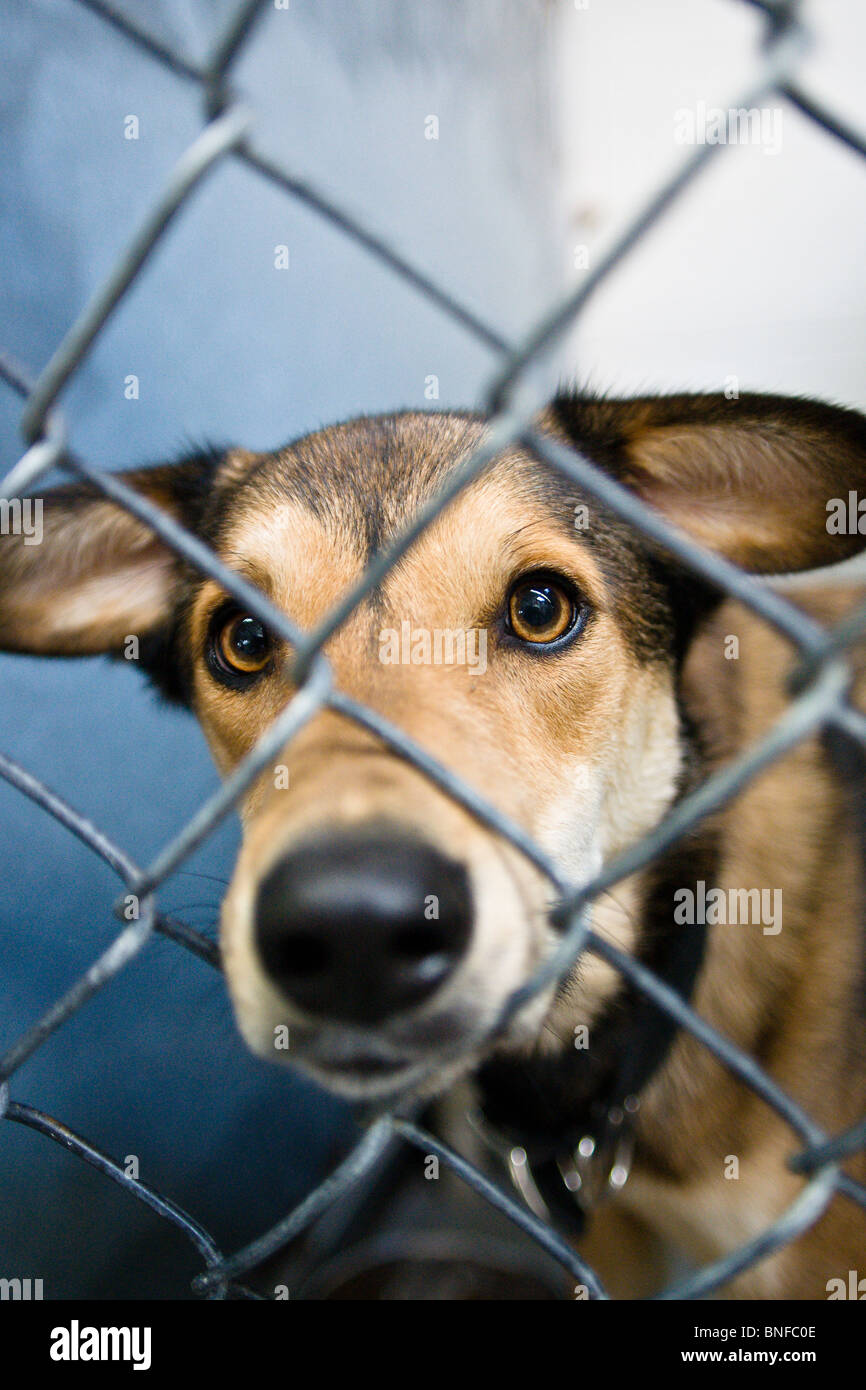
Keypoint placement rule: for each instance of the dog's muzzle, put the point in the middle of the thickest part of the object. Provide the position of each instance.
(361, 927)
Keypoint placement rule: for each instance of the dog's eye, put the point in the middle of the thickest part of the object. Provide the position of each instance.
(239, 646)
(542, 608)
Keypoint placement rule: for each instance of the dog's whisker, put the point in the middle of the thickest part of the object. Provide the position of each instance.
(212, 878)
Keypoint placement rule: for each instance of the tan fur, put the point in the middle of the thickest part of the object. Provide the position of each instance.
(790, 829)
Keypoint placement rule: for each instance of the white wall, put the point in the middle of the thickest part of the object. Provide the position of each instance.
(758, 271)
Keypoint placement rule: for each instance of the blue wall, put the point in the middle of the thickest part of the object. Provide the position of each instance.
(226, 349)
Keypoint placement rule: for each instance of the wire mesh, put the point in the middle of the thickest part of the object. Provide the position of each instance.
(820, 696)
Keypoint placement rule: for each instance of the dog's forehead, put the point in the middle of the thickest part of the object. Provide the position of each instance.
(339, 497)
(368, 478)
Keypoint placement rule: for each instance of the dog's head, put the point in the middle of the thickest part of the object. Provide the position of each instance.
(528, 641)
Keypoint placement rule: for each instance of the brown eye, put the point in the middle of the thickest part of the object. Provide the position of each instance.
(239, 646)
(542, 608)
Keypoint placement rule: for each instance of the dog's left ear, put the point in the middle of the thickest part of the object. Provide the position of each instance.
(79, 574)
(762, 480)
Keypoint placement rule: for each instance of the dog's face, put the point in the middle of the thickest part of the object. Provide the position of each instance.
(368, 911)
(526, 642)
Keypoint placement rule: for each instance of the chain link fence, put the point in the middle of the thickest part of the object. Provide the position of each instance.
(819, 689)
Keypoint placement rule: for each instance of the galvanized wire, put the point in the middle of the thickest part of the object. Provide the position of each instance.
(819, 692)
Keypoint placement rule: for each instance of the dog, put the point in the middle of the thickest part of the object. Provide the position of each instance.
(582, 682)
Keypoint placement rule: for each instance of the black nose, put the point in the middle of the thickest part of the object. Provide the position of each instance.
(361, 927)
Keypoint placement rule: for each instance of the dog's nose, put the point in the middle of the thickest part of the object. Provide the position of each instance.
(358, 928)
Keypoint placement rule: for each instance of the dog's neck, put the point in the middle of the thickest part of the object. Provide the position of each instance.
(550, 1097)
(547, 1103)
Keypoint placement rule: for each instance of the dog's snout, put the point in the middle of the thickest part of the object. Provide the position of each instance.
(359, 928)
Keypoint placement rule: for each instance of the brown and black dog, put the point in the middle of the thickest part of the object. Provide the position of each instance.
(582, 683)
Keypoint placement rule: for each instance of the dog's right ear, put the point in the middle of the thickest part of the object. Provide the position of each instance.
(755, 478)
(79, 575)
